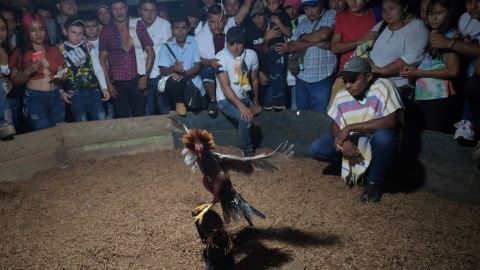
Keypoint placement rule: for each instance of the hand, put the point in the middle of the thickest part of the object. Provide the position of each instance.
(439, 41)
(264, 80)
(372, 35)
(350, 150)
(111, 90)
(142, 82)
(246, 113)
(256, 108)
(271, 33)
(282, 48)
(343, 136)
(214, 63)
(67, 98)
(105, 95)
(33, 67)
(409, 72)
(178, 67)
(275, 19)
(177, 77)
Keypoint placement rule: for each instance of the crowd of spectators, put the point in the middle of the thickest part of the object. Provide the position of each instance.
(119, 61)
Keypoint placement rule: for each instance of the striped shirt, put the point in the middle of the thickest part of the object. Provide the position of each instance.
(318, 63)
(381, 100)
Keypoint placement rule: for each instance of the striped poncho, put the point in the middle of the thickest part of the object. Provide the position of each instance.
(381, 100)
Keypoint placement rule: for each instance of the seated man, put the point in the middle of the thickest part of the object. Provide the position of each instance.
(363, 128)
(237, 77)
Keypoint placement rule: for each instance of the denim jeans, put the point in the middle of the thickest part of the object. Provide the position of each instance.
(86, 105)
(384, 145)
(109, 109)
(157, 103)
(313, 96)
(277, 66)
(233, 113)
(5, 110)
(43, 109)
(130, 100)
(207, 74)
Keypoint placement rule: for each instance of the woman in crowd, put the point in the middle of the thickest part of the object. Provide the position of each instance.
(435, 73)
(35, 64)
(6, 129)
(399, 44)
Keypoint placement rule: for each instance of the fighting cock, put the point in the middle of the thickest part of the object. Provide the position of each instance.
(198, 151)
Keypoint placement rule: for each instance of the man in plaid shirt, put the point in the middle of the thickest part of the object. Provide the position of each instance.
(314, 82)
(122, 56)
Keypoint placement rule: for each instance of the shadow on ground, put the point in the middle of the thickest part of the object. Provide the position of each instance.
(253, 254)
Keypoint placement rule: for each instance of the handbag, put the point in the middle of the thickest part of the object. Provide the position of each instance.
(295, 60)
(191, 94)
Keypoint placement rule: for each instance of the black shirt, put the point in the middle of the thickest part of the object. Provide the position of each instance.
(283, 16)
(254, 37)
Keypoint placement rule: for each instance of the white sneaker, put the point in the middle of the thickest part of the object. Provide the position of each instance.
(464, 131)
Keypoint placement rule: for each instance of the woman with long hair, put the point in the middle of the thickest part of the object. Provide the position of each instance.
(35, 64)
(6, 129)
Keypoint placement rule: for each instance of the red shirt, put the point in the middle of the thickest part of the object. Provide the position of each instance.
(218, 42)
(52, 54)
(122, 65)
(353, 28)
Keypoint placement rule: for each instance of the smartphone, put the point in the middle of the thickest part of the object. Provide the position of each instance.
(37, 56)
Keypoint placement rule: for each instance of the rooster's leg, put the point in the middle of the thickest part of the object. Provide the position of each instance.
(203, 208)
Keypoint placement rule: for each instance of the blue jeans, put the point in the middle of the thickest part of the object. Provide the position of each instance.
(109, 109)
(156, 102)
(207, 75)
(86, 105)
(384, 145)
(277, 66)
(5, 110)
(43, 109)
(313, 96)
(265, 95)
(233, 113)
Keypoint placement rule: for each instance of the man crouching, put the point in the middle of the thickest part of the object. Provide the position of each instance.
(364, 134)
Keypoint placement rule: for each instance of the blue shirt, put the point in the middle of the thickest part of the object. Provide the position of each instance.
(189, 55)
(318, 63)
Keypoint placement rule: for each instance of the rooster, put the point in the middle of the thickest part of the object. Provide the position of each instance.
(198, 151)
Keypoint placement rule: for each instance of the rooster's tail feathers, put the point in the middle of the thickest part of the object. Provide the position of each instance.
(235, 206)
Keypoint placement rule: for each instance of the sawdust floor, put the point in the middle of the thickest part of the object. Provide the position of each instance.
(133, 212)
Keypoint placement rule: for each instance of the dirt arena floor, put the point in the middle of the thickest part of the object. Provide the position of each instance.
(133, 212)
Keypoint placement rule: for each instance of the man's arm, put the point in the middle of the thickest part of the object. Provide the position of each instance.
(243, 12)
(255, 86)
(387, 122)
(104, 64)
(150, 59)
(193, 71)
(322, 34)
(245, 112)
(439, 41)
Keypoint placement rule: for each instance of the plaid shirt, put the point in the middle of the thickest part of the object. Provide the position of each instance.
(122, 65)
(318, 63)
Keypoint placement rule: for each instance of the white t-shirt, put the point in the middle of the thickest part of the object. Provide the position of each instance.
(469, 26)
(159, 32)
(407, 43)
(237, 82)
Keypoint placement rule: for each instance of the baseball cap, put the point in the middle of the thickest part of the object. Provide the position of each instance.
(356, 65)
(291, 3)
(73, 20)
(304, 3)
(102, 4)
(257, 9)
(235, 35)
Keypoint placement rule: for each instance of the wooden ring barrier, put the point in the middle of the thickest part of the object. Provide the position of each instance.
(441, 166)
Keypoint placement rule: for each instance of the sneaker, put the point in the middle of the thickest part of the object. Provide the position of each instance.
(371, 194)
(212, 108)
(279, 108)
(6, 131)
(464, 131)
(268, 108)
(181, 109)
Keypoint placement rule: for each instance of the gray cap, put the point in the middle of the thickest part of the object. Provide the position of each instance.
(356, 65)
(257, 9)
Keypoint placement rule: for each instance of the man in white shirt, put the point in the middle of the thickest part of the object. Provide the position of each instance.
(237, 85)
(159, 31)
